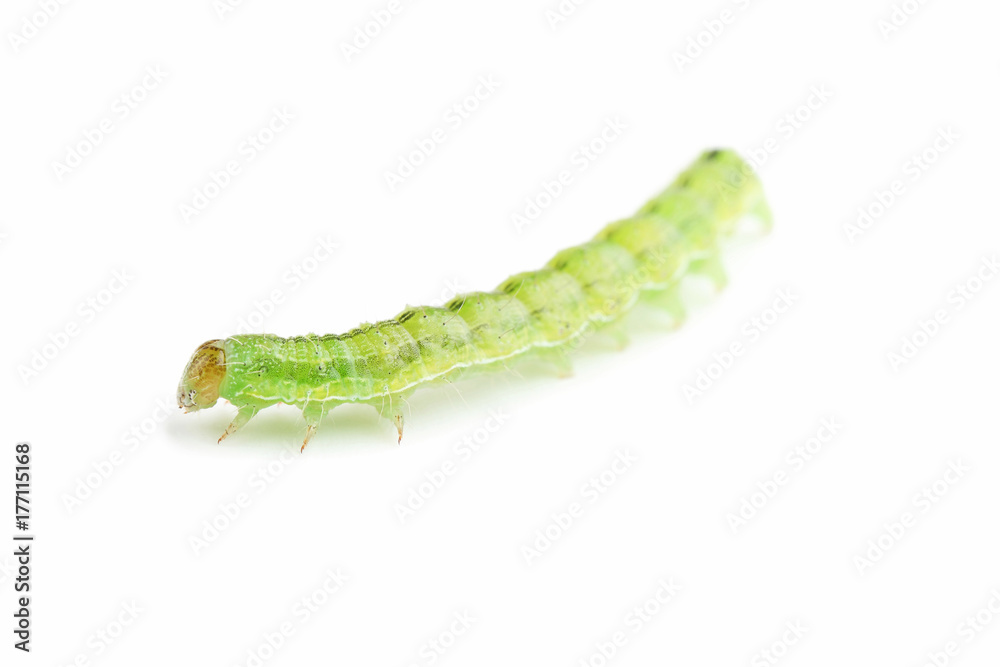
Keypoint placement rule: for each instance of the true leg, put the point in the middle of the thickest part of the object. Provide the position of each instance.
(313, 413)
(244, 415)
(391, 408)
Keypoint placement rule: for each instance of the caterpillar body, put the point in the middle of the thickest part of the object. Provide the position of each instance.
(585, 287)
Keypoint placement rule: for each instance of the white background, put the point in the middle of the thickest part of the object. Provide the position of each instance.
(795, 561)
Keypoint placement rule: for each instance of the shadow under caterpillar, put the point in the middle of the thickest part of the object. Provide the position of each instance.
(587, 286)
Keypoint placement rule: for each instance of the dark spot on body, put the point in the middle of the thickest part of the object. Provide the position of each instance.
(711, 155)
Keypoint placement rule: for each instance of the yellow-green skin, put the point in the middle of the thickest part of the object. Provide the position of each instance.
(582, 287)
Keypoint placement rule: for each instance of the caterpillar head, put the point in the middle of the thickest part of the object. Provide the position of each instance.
(199, 387)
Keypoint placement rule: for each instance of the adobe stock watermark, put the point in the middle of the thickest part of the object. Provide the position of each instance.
(590, 492)
(928, 328)
(8, 568)
(247, 151)
(291, 279)
(750, 333)
(795, 462)
(454, 118)
(626, 292)
(559, 13)
(108, 634)
(635, 620)
(76, 152)
(365, 34)
(438, 645)
(779, 648)
(894, 530)
(913, 170)
(899, 16)
(463, 451)
(86, 485)
(229, 511)
(452, 288)
(966, 632)
(302, 610)
(550, 189)
(786, 128)
(712, 29)
(223, 8)
(86, 312)
(790, 124)
(32, 24)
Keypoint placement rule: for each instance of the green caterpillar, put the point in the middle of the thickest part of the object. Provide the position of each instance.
(582, 288)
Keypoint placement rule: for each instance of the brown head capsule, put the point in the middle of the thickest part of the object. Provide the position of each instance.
(199, 387)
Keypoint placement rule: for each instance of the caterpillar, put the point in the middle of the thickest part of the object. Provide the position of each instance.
(583, 288)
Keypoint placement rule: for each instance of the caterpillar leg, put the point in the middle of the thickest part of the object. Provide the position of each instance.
(559, 359)
(311, 428)
(245, 414)
(762, 212)
(397, 419)
(616, 331)
(391, 408)
(670, 300)
(711, 267)
(313, 413)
